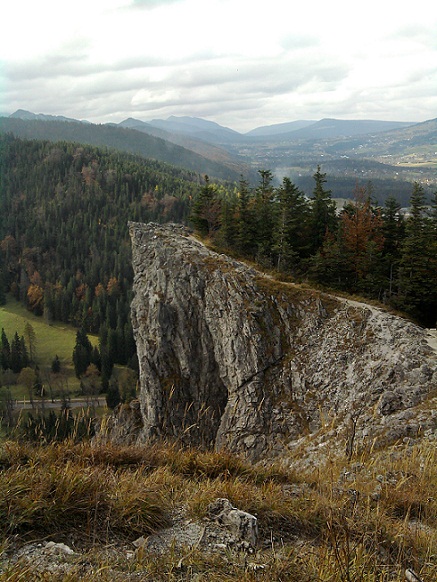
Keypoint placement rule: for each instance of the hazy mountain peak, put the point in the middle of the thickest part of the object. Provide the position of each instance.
(278, 128)
(28, 115)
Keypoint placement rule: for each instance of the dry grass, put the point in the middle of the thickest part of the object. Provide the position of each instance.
(366, 520)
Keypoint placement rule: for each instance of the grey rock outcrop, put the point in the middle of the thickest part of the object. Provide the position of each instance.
(233, 359)
(243, 525)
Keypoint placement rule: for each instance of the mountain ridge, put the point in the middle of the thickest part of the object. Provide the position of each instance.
(194, 125)
(123, 139)
(224, 154)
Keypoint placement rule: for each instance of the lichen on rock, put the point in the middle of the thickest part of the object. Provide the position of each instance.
(230, 358)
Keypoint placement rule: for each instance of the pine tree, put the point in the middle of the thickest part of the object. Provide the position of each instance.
(323, 212)
(56, 365)
(16, 358)
(393, 230)
(5, 354)
(291, 226)
(82, 353)
(228, 228)
(246, 228)
(107, 367)
(264, 212)
(113, 397)
(205, 213)
(418, 265)
(329, 266)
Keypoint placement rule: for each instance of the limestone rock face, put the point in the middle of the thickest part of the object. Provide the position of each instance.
(233, 359)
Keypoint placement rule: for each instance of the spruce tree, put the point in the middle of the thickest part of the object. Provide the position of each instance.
(323, 212)
(56, 365)
(5, 353)
(264, 212)
(393, 230)
(291, 226)
(246, 228)
(418, 265)
(205, 213)
(82, 353)
(113, 397)
(228, 228)
(16, 359)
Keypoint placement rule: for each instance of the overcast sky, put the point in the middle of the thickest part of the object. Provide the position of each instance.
(241, 63)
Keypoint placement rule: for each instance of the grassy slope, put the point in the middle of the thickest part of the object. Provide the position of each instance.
(360, 521)
(51, 340)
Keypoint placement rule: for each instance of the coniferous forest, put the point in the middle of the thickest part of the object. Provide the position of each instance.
(65, 250)
(365, 249)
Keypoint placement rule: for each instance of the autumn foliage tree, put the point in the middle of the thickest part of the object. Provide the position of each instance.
(362, 236)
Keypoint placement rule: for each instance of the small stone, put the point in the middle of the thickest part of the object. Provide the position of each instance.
(54, 548)
(138, 543)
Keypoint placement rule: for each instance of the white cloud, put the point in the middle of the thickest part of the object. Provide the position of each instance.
(238, 62)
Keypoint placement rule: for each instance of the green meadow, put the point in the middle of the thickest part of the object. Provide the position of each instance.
(51, 338)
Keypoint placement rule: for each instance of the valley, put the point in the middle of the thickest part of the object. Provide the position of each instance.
(243, 373)
(390, 154)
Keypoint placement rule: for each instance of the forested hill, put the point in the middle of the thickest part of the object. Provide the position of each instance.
(123, 139)
(64, 209)
(65, 251)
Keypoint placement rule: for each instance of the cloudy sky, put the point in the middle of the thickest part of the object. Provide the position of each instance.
(241, 63)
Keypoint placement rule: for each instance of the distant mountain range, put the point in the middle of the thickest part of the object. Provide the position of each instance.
(27, 115)
(215, 133)
(212, 132)
(217, 164)
(393, 150)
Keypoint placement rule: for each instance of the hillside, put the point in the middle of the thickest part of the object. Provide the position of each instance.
(118, 138)
(350, 496)
(103, 513)
(392, 160)
(416, 142)
(51, 340)
(65, 247)
(397, 153)
(334, 128)
(335, 398)
(199, 128)
(64, 243)
(175, 133)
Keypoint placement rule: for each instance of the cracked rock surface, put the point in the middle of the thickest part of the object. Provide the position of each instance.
(230, 358)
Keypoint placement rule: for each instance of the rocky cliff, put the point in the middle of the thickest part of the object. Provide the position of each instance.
(233, 359)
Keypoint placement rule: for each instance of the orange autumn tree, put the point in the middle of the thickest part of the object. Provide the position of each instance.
(35, 299)
(361, 233)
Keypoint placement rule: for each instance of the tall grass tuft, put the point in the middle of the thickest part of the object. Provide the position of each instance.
(363, 520)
